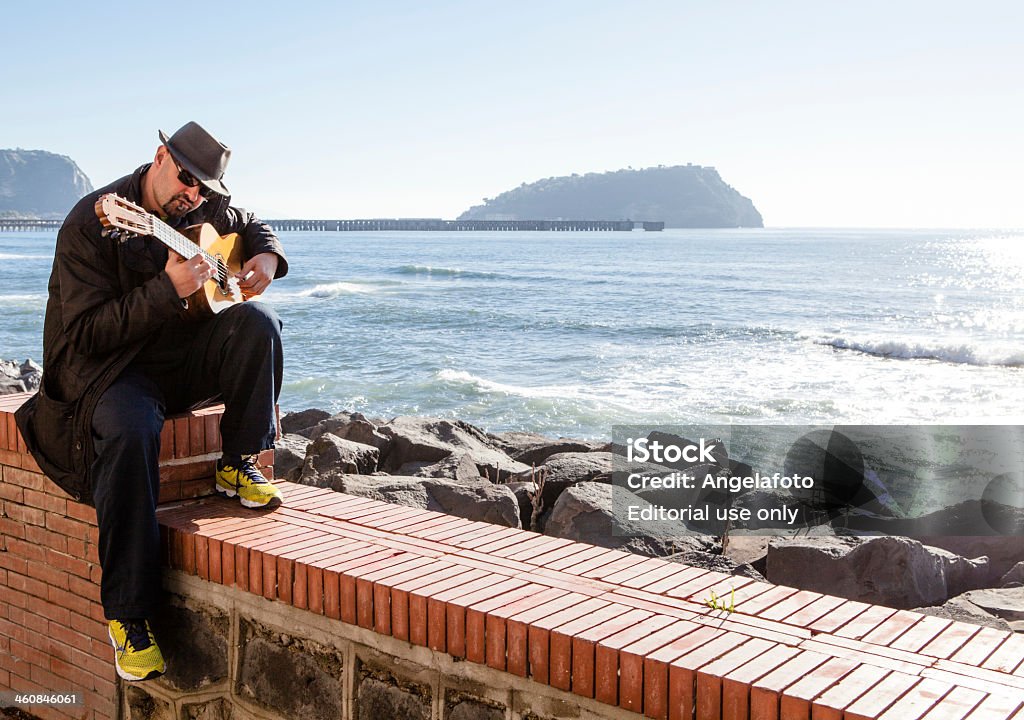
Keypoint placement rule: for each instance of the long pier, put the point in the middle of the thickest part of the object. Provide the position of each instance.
(15, 225)
(418, 224)
(434, 224)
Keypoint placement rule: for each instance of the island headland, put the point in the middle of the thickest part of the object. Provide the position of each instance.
(683, 196)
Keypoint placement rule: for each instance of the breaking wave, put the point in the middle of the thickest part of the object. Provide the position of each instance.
(483, 385)
(447, 272)
(957, 354)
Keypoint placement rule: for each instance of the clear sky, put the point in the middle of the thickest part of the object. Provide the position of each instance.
(870, 114)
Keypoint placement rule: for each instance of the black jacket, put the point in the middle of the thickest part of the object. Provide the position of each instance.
(107, 299)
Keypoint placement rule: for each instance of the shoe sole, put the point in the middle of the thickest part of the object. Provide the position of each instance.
(124, 674)
(269, 504)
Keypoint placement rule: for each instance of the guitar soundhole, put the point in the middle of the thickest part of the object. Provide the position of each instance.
(223, 277)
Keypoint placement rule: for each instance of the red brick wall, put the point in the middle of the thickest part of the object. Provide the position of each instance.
(53, 635)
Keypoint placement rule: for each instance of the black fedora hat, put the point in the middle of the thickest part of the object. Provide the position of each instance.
(200, 153)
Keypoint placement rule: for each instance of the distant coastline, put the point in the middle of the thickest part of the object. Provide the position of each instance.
(681, 196)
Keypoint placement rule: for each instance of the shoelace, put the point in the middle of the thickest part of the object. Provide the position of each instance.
(248, 468)
(136, 635)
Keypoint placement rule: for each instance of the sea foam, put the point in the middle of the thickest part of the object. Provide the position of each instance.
(461, 377)
(335, 289)
(963, 354)
(446, 272)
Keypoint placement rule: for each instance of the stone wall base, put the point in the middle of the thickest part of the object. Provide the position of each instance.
(234, 655)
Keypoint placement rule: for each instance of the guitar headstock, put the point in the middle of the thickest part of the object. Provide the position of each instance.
(115, 211)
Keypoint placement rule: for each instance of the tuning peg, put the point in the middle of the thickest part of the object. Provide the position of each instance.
(117, 234)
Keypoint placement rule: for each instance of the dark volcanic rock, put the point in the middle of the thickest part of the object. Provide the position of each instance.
(1006, 603)
(480, 500)
(292, 676)
(1014, 577)
(397, 490)
(964, 518)
(563, 470)
(335, 425)
(16, 378)
(141, 706)
(1003, 552)
(483, 501)
(329, 454)
(458, 466)
(962, 609)
(375, 700)
(892, 571)
(359, 429)
(10, 386)
(430, 440)
(514, 442)
(379, 694)
(532, 449)
(297, 422)
(194, 641)
(584, 513)
(289, 456)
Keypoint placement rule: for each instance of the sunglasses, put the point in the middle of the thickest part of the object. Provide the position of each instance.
(189, 180)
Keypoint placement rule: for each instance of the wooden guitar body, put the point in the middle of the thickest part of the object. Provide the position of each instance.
(216, 295)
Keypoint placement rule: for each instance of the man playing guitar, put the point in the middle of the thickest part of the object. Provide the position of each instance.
(121, 351)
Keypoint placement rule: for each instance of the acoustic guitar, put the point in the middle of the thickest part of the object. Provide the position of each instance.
(225, 253)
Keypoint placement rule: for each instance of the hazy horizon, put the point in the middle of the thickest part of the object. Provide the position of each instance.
(873, 115)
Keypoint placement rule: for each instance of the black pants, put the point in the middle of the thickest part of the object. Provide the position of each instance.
(235, 357)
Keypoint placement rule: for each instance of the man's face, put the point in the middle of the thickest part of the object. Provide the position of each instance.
(175, 198)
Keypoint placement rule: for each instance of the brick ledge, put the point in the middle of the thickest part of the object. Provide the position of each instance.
(623, 629)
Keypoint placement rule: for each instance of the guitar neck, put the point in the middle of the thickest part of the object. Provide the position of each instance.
(115, 211)
(178, 242)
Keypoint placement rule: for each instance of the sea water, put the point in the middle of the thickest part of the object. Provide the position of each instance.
(571, 333)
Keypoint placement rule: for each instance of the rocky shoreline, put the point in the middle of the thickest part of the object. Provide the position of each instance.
(561, 487)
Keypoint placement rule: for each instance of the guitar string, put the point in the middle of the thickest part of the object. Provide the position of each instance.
(176, 241)
(182, 245)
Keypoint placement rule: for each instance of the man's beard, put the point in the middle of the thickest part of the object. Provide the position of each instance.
(178, 206)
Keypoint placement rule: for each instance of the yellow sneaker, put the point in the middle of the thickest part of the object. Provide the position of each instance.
(245, 481)
(136, 654)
